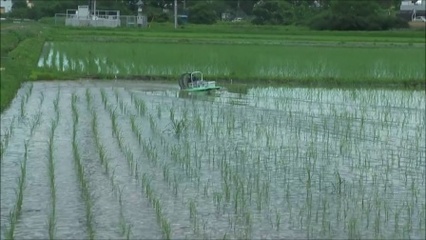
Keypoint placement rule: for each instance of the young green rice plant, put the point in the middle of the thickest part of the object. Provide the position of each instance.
(9, 232)
(159, 111)
(2, 150)
(74, 100)
(35, 121)
(115, 127)
(179, 126)
(22, 108)
(124, 226)
(5, 142)
(141, 106)
(116, 94)
(193, 216)
(41, 98)
(339, 184)
(88, 98)
(30, 89)
(152, 124)
(104, 97)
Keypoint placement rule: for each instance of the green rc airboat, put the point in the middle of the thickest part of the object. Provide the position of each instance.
(194, 82)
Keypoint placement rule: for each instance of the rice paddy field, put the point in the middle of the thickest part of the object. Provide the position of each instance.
(308, 63)
(131, 159)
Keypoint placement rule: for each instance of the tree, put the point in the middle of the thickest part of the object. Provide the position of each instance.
(202, 13)
(354, 15)
(273, 12)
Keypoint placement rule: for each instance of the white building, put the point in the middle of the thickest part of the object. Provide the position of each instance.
(5, 6)
(408, 5)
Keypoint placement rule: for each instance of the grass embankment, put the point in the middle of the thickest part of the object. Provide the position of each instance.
(20, 50)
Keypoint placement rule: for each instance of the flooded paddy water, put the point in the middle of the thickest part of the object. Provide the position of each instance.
(136, 160)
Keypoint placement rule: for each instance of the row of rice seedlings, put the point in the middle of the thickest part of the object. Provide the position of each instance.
(35, 122)
(17, 210)
(156, 204)
(139, 103)
(104, 97)
(88, 99)
(80, 172)
(178, 126)
(193, 216)
(25, 98)
(118, 136)
(41, 98)
(152, 154)
(51, 164)
(125, 227)
(56, 104)
(105, 162)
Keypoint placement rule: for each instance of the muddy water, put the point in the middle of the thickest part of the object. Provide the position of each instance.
(243, 162)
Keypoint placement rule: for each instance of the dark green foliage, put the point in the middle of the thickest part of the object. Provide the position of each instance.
(328, 15)
(273, 13)
(355, 15)
(202, 13)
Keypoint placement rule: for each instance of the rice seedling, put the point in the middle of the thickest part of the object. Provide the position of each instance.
(41, 98)
(23, 101)
(140, 105)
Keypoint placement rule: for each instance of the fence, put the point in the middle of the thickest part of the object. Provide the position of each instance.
(101, 20)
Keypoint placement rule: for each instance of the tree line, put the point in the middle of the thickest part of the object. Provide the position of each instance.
(316, 14)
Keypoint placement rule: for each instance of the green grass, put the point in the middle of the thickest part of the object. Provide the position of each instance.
(247, 63)
(20, 50)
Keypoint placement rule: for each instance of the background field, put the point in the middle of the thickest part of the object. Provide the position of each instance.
(244, 62)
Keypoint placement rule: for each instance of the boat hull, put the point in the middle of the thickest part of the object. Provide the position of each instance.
(200, 89)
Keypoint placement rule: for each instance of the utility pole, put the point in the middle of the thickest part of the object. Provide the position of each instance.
(94, 9)
(175, 14)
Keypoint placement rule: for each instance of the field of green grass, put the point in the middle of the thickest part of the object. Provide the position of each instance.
(243, 62)
(21, 45)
